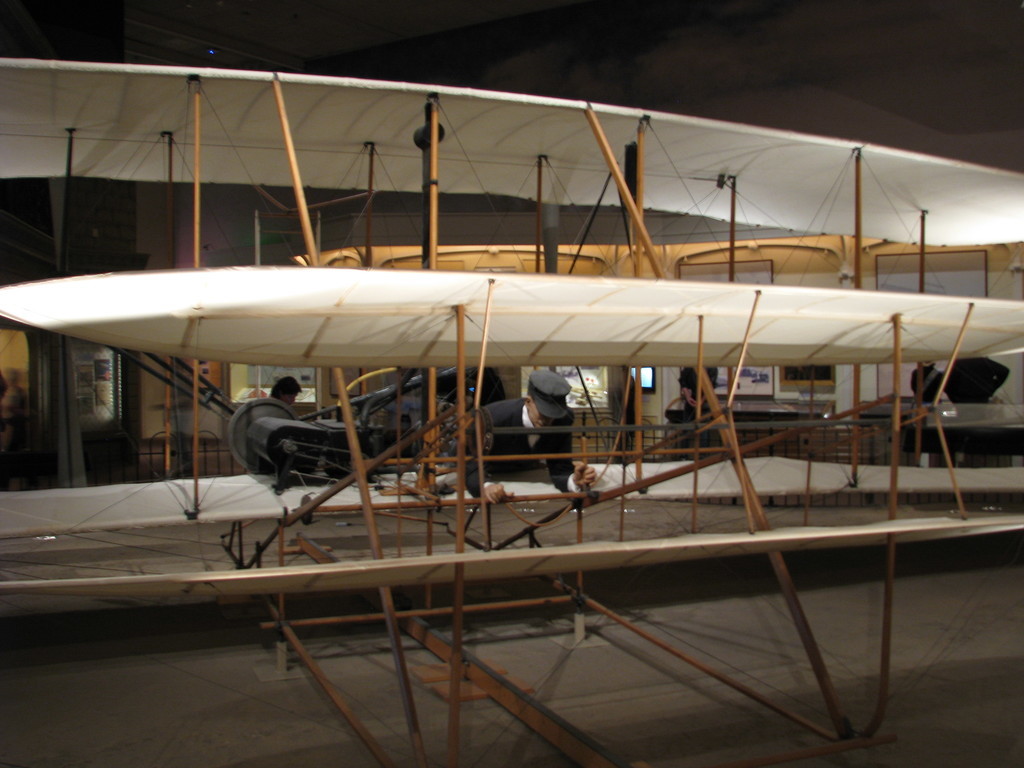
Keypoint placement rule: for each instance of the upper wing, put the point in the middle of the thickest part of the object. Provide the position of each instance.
(792, 181)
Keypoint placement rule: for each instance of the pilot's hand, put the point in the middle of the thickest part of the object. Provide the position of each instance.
(583, 474)
(494, 493)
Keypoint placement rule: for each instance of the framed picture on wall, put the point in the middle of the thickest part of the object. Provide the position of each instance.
(754, 381)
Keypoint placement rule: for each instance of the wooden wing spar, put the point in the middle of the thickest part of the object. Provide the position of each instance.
(121, 113)
(322, 317)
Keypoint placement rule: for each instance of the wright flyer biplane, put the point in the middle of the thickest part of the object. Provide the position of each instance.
(294, 131)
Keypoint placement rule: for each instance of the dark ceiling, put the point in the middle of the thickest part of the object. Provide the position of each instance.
(270, 34)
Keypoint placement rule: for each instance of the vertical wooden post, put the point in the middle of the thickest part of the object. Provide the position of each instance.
(894, 426)
(732, 229)
(638, 420)
(485, 508)
(196, 250)
(169, 211)
(368, 252)
(63, 255)
(698, 412)
(858, 238)
(456, 665)
(427, 138)
(540, 214)
(919, 371)
(433, 192)
(858, 283)
(70, 457)
(641, 133)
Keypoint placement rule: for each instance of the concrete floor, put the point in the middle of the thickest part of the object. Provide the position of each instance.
(194, 683)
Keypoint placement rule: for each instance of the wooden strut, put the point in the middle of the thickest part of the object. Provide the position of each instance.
(429, 261)
(442, 611)
(196, 250)
(293, 165)
(938, 419)
(573, 743)
(734, 385)
(371, 149)
(330, 690)
(858, 282)
(456, 665)
(434, 191)
(756, 515)
(627, 198)
(919, 372)
(732, 228)
(478, 426)
(538, 223)
(638, 419)
(895, 425)
(386, 597)
(641, 137)
(171, 263)
(697, 413)
(708, 670)
(750, 501)
(886, 643)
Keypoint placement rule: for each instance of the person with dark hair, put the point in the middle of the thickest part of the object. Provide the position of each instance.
(286, 389)
(687, 411)
(543, 406)
(688, 390)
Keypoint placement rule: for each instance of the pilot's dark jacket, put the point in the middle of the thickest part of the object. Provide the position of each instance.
(509, 413)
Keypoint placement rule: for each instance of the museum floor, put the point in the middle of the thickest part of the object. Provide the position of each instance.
(198, 684)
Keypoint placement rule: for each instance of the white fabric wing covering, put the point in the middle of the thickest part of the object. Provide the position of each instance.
(323, 317)
(785, 180)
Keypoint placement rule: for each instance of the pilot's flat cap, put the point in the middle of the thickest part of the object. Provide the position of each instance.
(548, 391)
